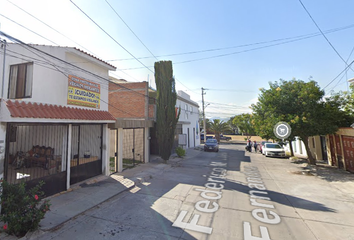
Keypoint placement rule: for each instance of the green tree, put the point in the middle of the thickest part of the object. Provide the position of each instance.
(303, 106)
(218, 127)
(166, 119)
(207, 124)
(245, 123)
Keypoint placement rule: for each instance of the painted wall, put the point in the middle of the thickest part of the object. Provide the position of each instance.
(50, 76)
(189, 118)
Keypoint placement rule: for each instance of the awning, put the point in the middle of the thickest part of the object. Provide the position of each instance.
(29, 110)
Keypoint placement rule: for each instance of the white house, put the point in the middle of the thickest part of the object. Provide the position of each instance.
(187, 129)
(53, 115)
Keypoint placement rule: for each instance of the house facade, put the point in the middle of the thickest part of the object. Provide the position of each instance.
(187, 129)
(335, 149)
(53, 116)
(133, 106)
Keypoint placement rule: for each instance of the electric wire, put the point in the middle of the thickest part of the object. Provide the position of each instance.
(131, 30)
(313, 20)
(51, 27)
(149, 68)
(63, 61)
(58, 45)
(348, 65)
(300, 37)
(29, 29)
(110, 36)
(67, 74)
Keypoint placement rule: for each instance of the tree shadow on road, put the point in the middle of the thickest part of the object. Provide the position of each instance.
(274, 196)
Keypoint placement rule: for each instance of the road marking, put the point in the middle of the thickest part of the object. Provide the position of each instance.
(255, 181)
(213, 192)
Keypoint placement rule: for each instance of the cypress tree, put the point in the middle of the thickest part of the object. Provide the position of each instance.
(166, 119)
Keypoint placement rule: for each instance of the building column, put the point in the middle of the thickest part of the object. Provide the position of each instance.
(68, 157)
(120, 149)
(147, 145)
(105, 150)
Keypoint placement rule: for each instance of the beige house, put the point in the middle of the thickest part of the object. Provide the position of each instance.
(335, 149)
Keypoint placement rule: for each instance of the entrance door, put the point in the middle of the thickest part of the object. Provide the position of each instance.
(348, 147)
(324, 148)
(86, 152)
(133, 147)
(332, 148)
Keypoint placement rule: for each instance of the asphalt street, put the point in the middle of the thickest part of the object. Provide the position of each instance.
(231, 194)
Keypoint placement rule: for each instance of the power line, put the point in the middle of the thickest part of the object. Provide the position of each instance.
(50, 27)
(111, 37)
(229, 54)
(121, 44)
(313, 20)
(131, 30)
(70, 39)
(348, 65)
(66, 74)
(300, 37)
(63, 61)
(28, 29)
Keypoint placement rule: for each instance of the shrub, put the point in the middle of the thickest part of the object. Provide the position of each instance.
(22, 209)
(180, 152)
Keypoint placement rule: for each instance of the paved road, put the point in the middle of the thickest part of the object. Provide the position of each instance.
(226, 195)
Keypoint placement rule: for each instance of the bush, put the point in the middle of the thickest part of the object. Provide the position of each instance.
(22, 209)
(180, 152)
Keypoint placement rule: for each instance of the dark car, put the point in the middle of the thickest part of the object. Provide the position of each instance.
(211, 145)
(222, 137)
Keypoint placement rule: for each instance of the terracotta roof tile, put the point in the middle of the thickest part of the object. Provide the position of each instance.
(21, 109)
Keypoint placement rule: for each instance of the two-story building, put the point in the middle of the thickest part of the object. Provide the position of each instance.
(53, 115)
(187, 129)
(133, 106)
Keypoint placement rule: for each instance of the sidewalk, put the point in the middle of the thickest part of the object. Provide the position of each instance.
(92, 192)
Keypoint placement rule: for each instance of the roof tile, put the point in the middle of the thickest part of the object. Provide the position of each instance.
(21, 109)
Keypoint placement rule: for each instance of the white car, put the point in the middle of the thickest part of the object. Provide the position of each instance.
(273, 150)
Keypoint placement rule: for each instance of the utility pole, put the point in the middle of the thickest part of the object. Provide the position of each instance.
(204, 123)
(3, 45)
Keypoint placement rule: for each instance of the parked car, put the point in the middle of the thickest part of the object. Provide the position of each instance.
(211, 145)
(210, 137)
(273, 150)
(222, 137)
(262, 145)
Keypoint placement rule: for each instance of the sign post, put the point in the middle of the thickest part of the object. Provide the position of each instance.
(282, 130)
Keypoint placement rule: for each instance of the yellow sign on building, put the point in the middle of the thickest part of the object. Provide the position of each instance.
(82, 92)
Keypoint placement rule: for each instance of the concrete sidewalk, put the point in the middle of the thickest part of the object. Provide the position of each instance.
(90, 193)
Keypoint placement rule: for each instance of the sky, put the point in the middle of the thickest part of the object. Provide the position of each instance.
(232, 48)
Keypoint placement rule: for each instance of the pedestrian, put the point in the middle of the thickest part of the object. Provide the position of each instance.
(249, 145)
(255, 146)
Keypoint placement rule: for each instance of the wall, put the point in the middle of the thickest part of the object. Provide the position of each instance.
(129, 100)
(50, 76)
(189, 118)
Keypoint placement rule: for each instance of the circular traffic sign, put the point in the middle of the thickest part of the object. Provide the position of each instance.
(282, 130)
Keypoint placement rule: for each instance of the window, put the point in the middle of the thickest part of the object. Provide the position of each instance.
(20, 82)
(191, 109)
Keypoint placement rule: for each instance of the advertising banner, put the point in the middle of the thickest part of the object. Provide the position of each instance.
(82, 92)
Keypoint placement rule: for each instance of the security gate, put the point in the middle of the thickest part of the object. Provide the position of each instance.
(37, 152)
(86, 152)
(348, 147)
(133, 147)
